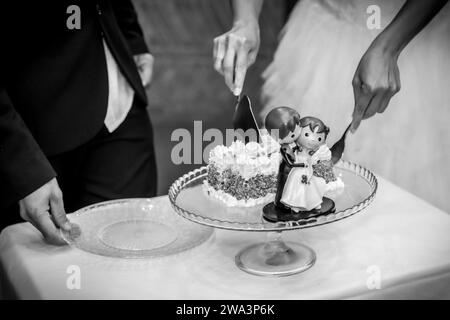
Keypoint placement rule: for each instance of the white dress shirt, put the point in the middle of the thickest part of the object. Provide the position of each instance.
(120, 93)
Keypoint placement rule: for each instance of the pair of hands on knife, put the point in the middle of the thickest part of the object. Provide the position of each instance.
(44, 208)
(375, 82)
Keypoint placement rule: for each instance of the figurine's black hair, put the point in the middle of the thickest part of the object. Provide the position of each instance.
(283, 119)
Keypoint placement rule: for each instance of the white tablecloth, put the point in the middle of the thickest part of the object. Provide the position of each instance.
(400, 240)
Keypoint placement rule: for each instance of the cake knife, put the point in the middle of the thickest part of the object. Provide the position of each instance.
(338, 148)
(243, 116)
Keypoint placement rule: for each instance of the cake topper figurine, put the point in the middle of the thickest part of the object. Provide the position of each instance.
(305, 172)
(287, 123)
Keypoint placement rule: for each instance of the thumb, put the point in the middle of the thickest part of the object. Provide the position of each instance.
(58, 212)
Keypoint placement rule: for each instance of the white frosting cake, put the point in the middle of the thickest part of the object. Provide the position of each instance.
(244, 174)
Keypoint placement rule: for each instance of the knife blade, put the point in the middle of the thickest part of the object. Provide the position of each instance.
(338, 148)
(244, 118)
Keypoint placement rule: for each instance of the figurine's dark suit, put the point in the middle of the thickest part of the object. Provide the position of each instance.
(285, 168)
(277, 211)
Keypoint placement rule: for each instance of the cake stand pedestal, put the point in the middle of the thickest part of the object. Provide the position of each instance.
(274, 257)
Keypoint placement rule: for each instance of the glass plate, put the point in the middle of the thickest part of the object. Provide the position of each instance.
(134, 228)
(189, 200)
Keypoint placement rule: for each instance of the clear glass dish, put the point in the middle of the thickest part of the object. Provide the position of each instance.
(134, 228)
(273, 258)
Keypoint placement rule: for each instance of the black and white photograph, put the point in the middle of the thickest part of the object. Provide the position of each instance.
(230, 157)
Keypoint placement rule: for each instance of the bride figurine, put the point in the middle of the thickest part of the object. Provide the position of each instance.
(304, 190)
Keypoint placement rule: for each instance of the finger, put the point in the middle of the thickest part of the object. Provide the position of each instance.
(252, 56)
(229, 62)
(43, 223)
(394, 88)
(220, 54)
(145, 66)
(147, 73)
(149, 70)
(214, 49)
(362, 99)
(58, 213)
(75, 231)
(384, 103)
(374, 105)
(240, 70)
(22, 211)
(356, 84)
(358, 114)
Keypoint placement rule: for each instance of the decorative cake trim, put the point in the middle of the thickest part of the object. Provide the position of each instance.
(231, 201)
(249, 159)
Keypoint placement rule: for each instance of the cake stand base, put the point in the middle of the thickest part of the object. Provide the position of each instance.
(272, 213)
(275, 258)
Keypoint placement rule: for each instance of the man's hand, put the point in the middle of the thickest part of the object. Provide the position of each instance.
(44, 209)
(144, 63)
(376, 81)
(235, 51)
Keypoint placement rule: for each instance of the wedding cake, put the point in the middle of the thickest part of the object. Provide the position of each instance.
(243, 174)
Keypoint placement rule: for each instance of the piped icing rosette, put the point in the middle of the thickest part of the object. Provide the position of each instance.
(244, 174)
(322, 154)
(323, 168)
(248, 159)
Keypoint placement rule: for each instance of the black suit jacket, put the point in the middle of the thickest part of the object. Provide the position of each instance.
(53, 82)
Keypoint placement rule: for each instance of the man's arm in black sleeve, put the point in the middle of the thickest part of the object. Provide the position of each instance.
(129, 25)
(23, 166)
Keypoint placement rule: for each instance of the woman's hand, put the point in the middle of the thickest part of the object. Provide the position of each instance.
(377, 78)
(375, 82)
(235, 51)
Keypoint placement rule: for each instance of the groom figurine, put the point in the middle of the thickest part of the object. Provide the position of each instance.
(74, 129)
(283, 123)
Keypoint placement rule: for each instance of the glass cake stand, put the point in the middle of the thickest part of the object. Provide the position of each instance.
(274, 257)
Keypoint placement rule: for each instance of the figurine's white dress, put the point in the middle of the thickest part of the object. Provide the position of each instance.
(303, 191)
(312, 71)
